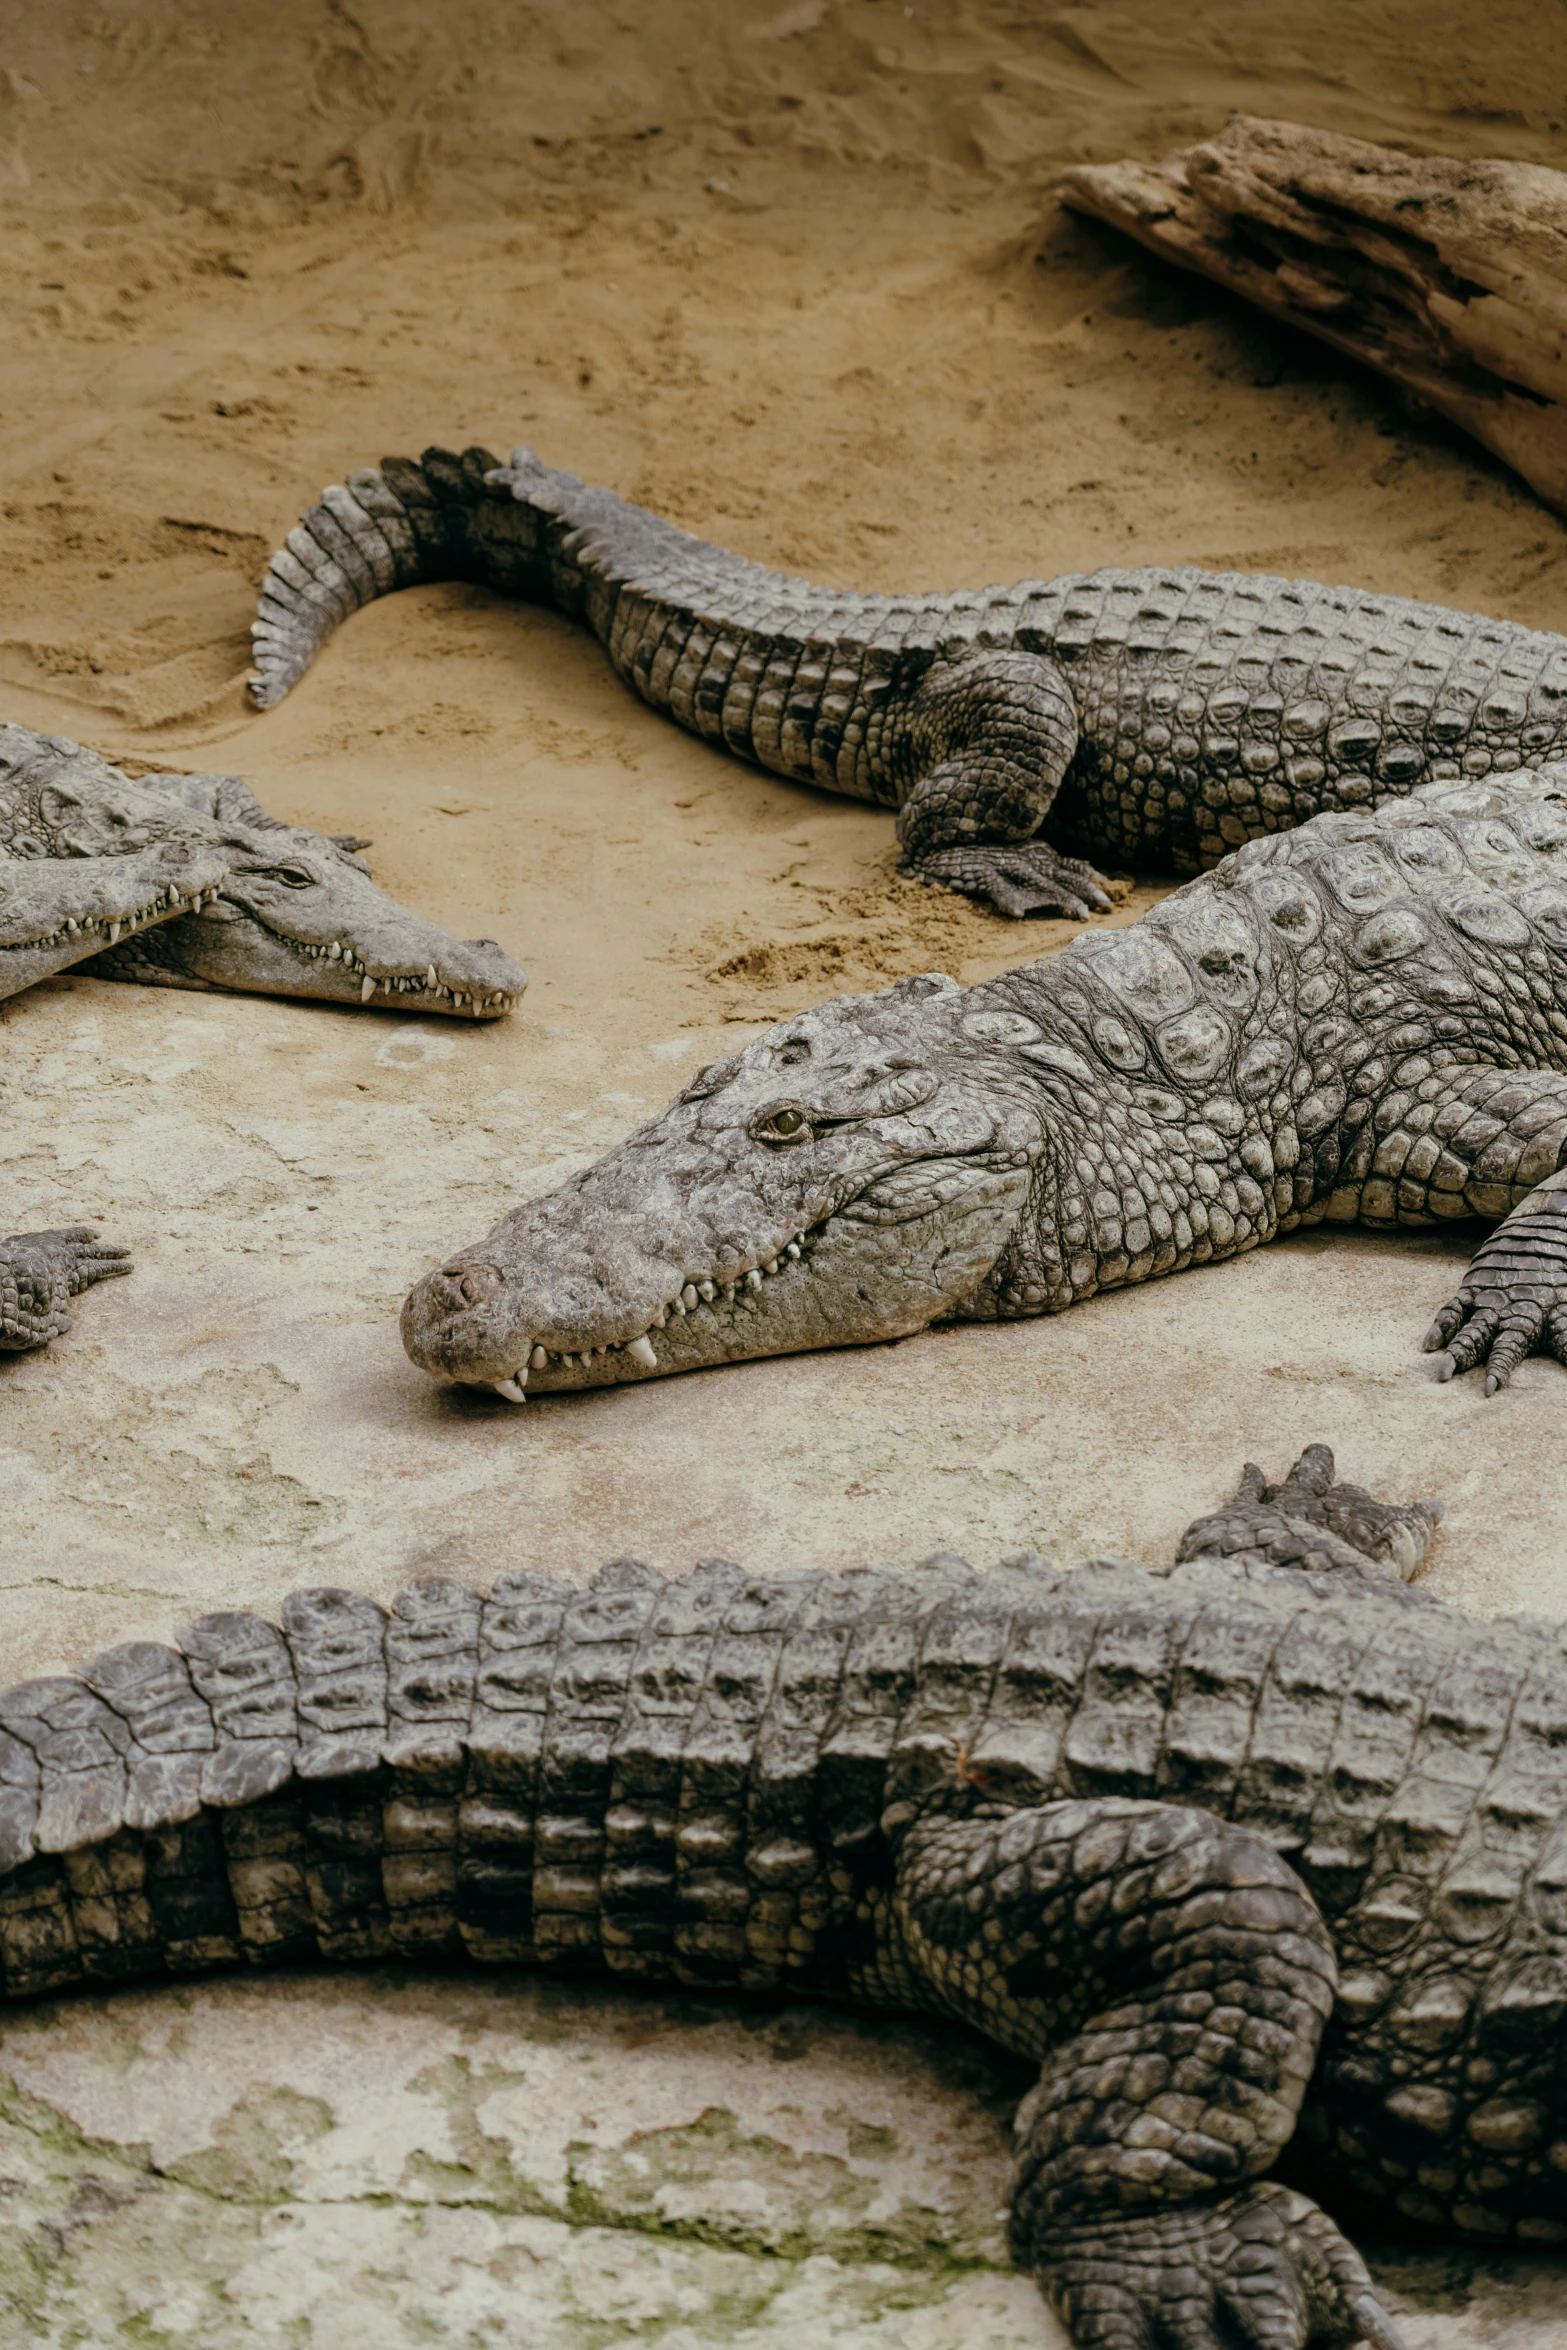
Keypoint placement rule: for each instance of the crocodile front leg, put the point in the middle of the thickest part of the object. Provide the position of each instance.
(1477, 1141)
(1514, 1298)
(40, 1272)
(1313, 1522)
(1179, 1976)
(987, 738)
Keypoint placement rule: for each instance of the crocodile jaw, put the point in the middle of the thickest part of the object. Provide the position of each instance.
(230, 948)
(852, 1279)
(335, 938)
(710, 1237)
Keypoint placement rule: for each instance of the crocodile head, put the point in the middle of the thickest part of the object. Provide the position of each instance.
(850, 1176)
(297, 915)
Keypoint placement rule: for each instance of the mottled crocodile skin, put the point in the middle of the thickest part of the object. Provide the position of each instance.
(1364, 1021)
(1239, 1847)
(1157, 717)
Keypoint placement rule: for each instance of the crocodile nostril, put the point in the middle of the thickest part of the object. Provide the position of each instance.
(471, 1285)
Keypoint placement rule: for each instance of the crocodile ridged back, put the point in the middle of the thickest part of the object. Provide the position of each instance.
(1212, 707)
(708, 1778)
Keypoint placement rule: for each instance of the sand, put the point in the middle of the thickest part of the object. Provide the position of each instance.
(794, 277)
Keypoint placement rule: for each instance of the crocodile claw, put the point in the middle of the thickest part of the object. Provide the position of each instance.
(1312, 1521)
(39, 1271)
(1261, 2270)
(1026, 878)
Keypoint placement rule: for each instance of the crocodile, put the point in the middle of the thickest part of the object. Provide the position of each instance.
(185, 881)
(1154, 717)
(1262, 1857)
(1362, 1021)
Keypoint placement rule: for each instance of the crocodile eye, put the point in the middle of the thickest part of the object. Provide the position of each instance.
(782, 1125)
(292, 877)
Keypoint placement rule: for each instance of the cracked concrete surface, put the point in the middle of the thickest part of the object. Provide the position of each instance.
(379, 2162)
(499, 2151)
(793, 276)
(385, 2163)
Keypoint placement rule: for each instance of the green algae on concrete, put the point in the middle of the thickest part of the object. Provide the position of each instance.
(459, 2162)
(377, 2163)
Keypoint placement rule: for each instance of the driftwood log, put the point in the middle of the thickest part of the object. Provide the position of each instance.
(1449, 277)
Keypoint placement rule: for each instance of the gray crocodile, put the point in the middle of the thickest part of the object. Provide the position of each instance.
(1262, 1858)
(1154, 717)
(185, 881)
(1364, 1021)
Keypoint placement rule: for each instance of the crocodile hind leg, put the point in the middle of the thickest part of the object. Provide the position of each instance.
(1176, 1977)
(40, 1272)
(986, 738)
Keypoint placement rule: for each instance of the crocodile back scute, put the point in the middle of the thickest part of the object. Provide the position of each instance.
(701, 1778)
(1213, 707)
(1217, 707)
(1289, 1028)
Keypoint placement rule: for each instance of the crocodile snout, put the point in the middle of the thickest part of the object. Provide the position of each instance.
(456, 1323)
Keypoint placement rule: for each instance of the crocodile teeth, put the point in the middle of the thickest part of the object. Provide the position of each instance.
(511, 1388)
(114, 932)
(641, 1351)
(334, 952)
(430, 979)
(753, 1280)
(538, 1360)
(368, 989)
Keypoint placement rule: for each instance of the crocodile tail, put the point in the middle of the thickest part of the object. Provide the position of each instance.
(409, 522)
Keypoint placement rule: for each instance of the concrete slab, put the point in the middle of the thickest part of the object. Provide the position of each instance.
(379, 2161)
(791, 275)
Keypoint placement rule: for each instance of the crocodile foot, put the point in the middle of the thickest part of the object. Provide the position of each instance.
(39, 1271)
(1310, 1521)
(1028, 877)
(1263, 2270)
(1514, 1300)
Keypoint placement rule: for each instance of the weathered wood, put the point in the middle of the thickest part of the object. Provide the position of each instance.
(1450, 277)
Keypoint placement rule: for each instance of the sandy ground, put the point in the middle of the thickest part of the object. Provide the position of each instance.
(795, 278)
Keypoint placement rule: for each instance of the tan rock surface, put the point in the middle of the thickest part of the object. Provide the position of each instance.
(825, 313)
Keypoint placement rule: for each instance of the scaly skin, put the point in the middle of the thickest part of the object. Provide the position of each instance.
(185, 881)
(1266, 1852)
(1158, 717)
(1364, 1021)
